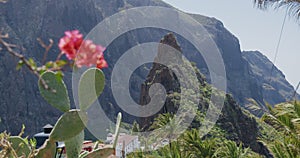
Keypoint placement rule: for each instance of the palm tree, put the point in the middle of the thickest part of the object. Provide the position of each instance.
(232, 150)
(293, 6)
(175, 150)
(288, 148)
(288, 114)
(285, 117)
(198, 148)
(167, 127)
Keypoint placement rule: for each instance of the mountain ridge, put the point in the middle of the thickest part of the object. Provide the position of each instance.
(272, 79)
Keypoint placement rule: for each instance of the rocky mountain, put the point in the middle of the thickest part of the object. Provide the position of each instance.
(275, 88)
(27, 20)
(233, 119)
(240, 83)
(164, 75)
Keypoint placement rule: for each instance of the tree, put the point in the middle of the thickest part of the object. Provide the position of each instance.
(174, 150)
(167, 126)
(232, 150)
(293, 6)
(285, 117)
(197, 147)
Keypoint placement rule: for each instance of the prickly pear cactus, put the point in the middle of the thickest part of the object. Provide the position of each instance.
(56, 93)
(47, 150)
(69, 125)
(91, 85)
(74, 145)
(83, 154)
(20, 146)
(119, 118)
(104, 153)
(96, 145)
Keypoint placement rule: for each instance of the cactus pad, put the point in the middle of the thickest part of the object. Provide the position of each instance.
(19, 145)
(74, 145)
(69, 125)
(91, 85)
(56, 94)
(47, 150)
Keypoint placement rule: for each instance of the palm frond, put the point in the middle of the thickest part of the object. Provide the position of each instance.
(292, 6)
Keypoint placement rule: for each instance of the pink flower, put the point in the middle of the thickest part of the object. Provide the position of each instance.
(83, 52)
(90, 54)
(101, 63)
(70, 43)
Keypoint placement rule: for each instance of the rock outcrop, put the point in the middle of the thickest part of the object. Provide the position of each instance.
(161, 74)
(241, 127)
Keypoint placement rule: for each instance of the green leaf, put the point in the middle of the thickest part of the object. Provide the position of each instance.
(74, 145)
(49, 64)
(56, 94)
(61, 63)
(32, 63)
(20, 65)
(297, 120)
(32, 142)
(69, 125)
(91, 85)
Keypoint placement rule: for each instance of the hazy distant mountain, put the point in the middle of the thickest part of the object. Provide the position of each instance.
(26, 20)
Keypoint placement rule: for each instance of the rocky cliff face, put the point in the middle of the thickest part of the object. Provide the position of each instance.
(275, 88)
(248, 72)
(27, 20)
(241, 127)
(240, 83)
(161, 74)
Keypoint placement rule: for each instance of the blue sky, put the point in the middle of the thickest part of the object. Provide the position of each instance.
(256, 29)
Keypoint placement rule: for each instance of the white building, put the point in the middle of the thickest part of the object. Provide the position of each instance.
(126, 144)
